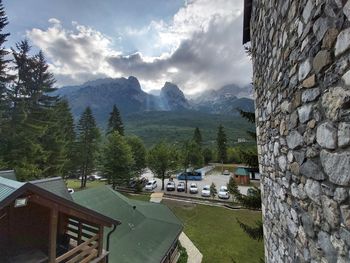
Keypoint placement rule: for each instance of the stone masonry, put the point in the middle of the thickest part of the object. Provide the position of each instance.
(301, 63)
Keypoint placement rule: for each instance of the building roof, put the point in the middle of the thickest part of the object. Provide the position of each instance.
(148, 230)
(9, 174)
(242, 171)
(55, 185)
(246, 20)
(10, 190)
(7, 187)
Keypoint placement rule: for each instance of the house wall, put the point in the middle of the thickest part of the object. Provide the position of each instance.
(301, 54)
(29, 227)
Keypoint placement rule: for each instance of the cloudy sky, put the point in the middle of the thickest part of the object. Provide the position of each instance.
(193, 43)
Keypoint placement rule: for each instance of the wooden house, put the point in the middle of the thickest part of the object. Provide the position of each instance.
(242, 175)
(40, 222)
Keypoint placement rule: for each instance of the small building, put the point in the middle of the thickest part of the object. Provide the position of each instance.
(149, 232)
(46, 225)
(242, 175)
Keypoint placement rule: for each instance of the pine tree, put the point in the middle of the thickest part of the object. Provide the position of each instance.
(208, 155)
(221, 141)
(117, 159)
(59, 141)
(115, 122)
(197, 136)
(249, 156)
(30, 114)
(139, 154)
(5, 78)
(87, 144)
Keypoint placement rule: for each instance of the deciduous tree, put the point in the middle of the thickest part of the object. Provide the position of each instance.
(162, 161)
(139, 154)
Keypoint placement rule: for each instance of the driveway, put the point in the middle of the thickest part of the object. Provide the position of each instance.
(214, 177)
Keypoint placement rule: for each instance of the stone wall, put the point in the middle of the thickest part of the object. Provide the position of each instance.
(301, 62)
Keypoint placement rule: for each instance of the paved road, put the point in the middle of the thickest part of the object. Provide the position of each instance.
(214, 177)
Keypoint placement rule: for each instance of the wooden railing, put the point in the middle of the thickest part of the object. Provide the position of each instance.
(86, 242)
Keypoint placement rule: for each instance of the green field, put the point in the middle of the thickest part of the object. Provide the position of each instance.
(216, 233)
(75, 184)
(176, 127)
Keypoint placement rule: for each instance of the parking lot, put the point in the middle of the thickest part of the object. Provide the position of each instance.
(214, 177)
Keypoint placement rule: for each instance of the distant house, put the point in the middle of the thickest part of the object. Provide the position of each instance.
(149, 232)
(40, 222)
(242, 175)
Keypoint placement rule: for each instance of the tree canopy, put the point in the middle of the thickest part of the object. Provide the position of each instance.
(117, 160)
(115, 122)
(162, 160)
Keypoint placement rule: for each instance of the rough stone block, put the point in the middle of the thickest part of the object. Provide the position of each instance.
(336, 166)
(344, 134)
(310, 81)
(334, 101)
(313, 190)
(343, 42)
(304, 69)
(327, 136)
(312, 170)
(294, 139)
(330, 211)
(310, 94)
(305, 113)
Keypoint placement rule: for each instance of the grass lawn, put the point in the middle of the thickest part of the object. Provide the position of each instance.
(75, 184)
(216, 233)
(140, 197)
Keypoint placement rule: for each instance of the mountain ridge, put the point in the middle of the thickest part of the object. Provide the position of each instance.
(127, 94)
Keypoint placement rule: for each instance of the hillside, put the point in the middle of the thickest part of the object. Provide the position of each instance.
(178, 126)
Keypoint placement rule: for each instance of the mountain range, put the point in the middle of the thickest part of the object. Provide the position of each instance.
(128, 96)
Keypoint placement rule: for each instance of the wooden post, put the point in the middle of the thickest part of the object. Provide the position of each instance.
(53, 235)
(79, 232)
(100, 240)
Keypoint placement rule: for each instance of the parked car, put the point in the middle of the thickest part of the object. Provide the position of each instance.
(223, 193)
(95, 177)
(71, 190)
(226, 172)
(152, 184)
(181, 187)
(206, 191)
(193, 188)
(170, 186)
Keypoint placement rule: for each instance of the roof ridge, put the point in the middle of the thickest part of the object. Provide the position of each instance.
(49, 179)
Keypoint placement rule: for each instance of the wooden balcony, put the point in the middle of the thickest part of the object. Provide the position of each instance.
(85, 243)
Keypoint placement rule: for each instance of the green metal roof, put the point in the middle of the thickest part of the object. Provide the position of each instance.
(7, 187)
(55, 185)
(147, 231)
(242, 171)
(9, 174)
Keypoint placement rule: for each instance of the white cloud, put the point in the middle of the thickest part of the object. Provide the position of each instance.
(200, 48)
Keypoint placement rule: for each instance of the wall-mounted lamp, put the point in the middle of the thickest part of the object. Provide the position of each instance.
(21, 202)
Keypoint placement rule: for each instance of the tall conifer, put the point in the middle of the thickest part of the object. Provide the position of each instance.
(87, 144)
(115, 122)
